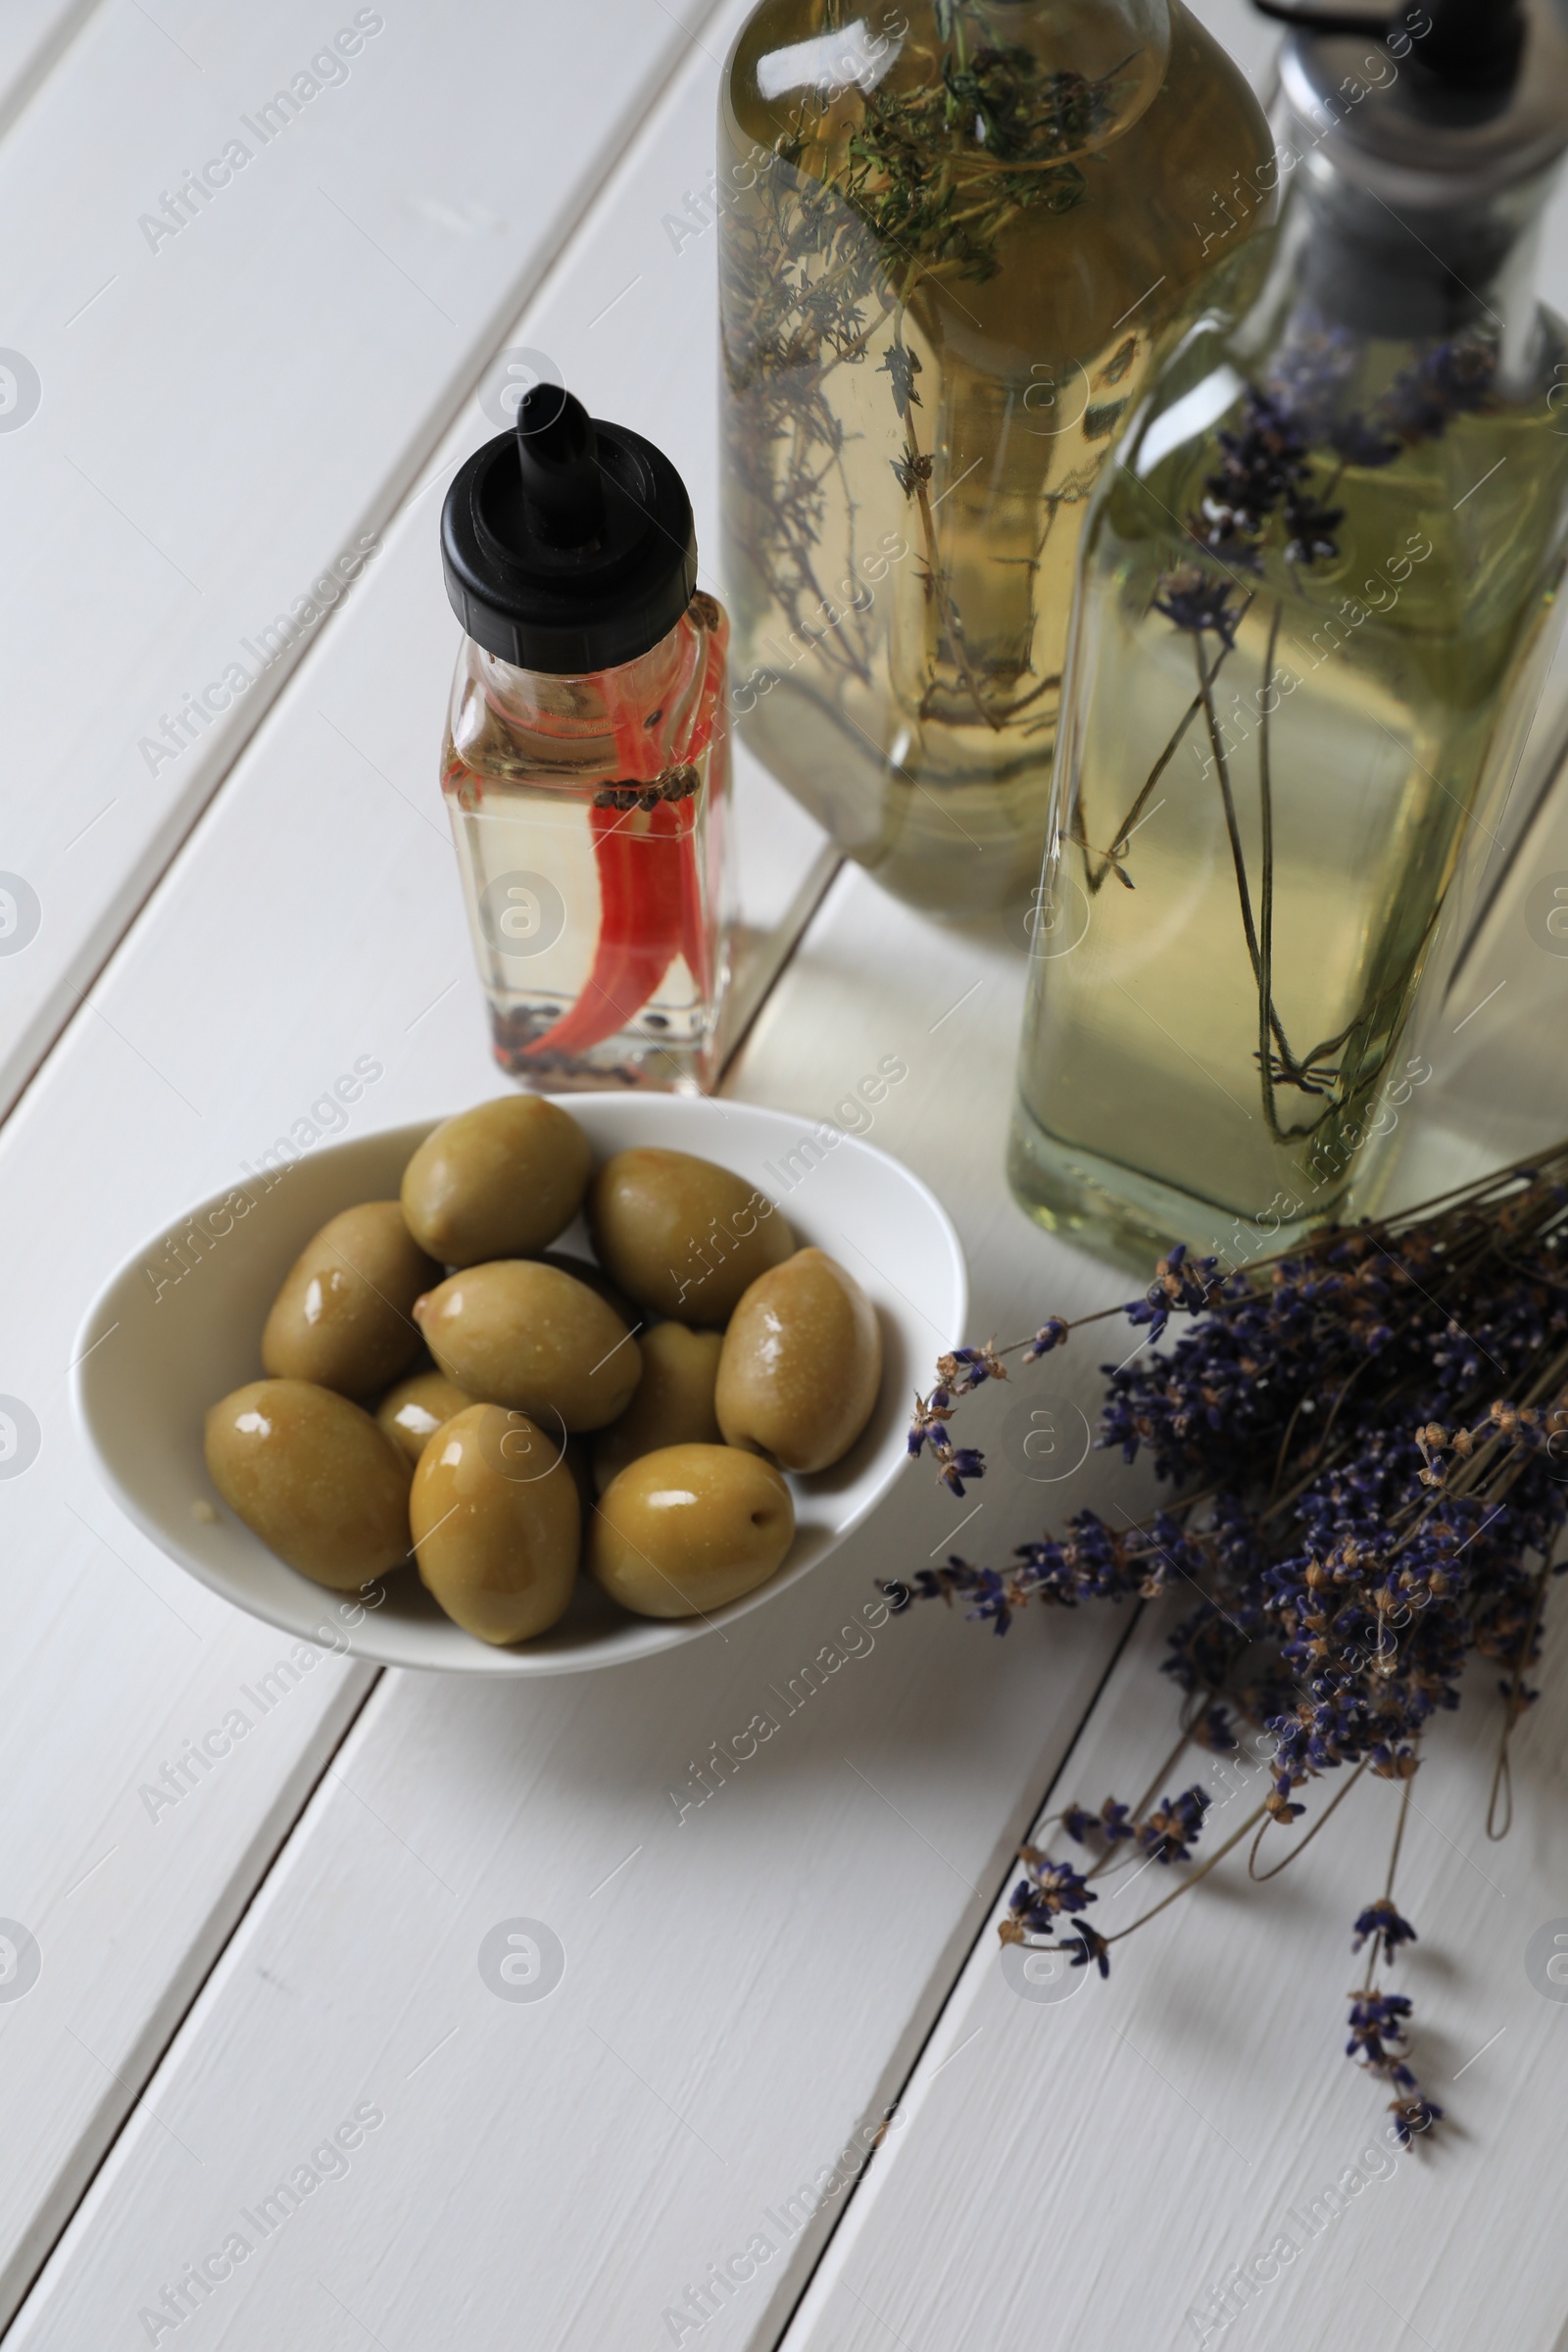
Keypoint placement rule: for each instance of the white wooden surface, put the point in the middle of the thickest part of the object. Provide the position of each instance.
(752, 1983)
(1149, 2136)
(228, 411)
(111, 1661)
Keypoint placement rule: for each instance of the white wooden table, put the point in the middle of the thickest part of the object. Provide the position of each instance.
(234, 906)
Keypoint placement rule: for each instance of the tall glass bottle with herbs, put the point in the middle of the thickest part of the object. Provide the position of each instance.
(1319, 590)
(952, 233)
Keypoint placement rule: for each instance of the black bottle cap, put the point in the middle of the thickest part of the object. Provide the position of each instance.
(1464, 55)
(1469, 47)
(569, 544)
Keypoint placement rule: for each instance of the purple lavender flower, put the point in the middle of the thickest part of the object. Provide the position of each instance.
(1377, 2028)
(1450, 379)
(1311, 529)
(961, 1462)
(1176, 1287)
(1261, 465)
(1171, 1828)
(1378, 2038)
(966, 1368)
(1412, 2115)
(1053, 1333)
(1112, 1823)
(1315, 365)
(1213, 1730)
(1311, 378)
(1046, 1892)
(1196, 602)
(929, 1426)
(1381, 1920)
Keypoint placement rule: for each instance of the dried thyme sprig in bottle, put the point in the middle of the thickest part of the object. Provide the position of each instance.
(951, 232)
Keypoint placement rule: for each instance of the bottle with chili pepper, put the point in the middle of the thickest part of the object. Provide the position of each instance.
(585, 762)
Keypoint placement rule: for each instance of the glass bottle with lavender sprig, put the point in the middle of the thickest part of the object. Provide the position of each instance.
(1317, 596)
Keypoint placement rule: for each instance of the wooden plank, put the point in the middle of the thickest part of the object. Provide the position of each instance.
(213, 416)
(1174, 2124)
(128, 1877)
(127, 1858)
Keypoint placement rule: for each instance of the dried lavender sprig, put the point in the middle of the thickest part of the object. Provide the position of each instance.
(1379, 2030)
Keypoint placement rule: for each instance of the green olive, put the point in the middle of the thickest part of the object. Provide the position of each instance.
(342, 1318)
(583, 1269)
(312, 1476)
(499, 1181)
(413, 1411)
(802, 1364)
(684, 1530)
(521, 1334)
(496, 1524)
(681, 1236)
(675, 1400)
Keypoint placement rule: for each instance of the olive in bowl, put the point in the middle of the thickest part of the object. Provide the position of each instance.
(526, 1335)
(496, 1524)
(681, 1236)
(310, 1474)
(499, 1181)
(673, 1404)
(343, 1317)
(684, 1530)
(802, 1364)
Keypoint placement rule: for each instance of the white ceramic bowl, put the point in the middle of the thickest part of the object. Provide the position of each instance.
(148, 1365)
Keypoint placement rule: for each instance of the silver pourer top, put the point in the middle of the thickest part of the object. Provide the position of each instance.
(1416, 120)
(1425, 155)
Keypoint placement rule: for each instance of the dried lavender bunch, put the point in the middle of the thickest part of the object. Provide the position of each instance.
(1369, 1439)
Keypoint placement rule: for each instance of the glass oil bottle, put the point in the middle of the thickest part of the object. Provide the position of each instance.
(1320, 588)
(585, 762)
(953, 233)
